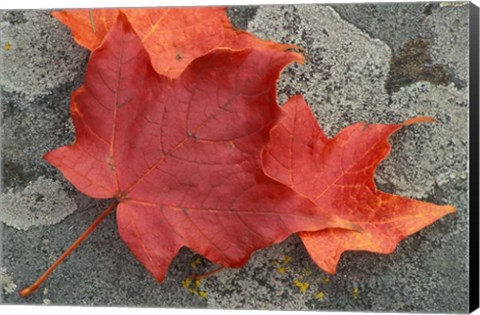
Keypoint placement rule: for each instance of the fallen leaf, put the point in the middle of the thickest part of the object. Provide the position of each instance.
(88, 26)
(182, 157)
(172, 36)
(337, 175)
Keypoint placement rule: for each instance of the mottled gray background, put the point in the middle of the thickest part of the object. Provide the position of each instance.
(365, 62)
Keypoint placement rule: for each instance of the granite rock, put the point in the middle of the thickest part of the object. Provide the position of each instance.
(38, 54)
(343, 80)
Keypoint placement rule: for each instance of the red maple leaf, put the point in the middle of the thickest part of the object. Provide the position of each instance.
(172, 36)
(182, 157)
(337, 175)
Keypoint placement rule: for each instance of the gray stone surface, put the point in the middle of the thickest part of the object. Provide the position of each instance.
(39, 59)
(449, 26)
(333, 76)
(393, 23)
(42, 202)
(436, 152)
(6, 282)
(348, 64)
(442, 25)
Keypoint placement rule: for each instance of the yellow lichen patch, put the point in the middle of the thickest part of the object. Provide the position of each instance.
(355, 293)
(193, 287)
(319, 296)
(186, 283)
(302, 286)
(325, 280)
(287, 259)
(7, 46)
(282, 269)
(195, 263)
(280, 264)
(304, 274)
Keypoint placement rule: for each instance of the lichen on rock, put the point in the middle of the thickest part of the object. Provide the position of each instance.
(6, 283)
(36, 63)
(345, 68)
(42, 202)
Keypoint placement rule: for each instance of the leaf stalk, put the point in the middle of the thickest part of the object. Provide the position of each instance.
(207, 274)
(29, 290)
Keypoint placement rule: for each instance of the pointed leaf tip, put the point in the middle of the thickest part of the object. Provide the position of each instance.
(184, 33)
(337, 174)
(419, 119)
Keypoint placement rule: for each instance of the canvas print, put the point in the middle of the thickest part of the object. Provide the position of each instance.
(279, 157)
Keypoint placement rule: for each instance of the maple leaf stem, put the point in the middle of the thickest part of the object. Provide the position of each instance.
(207, 274)
(29, 290)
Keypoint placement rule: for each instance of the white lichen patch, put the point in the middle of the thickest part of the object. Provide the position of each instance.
(6, 282)
(343, 81)
(449, 24)
(345, 70)
(42, 202)
(34, 61)
(426, 157)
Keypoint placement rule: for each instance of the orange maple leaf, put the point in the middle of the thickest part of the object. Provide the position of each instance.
(337, 175)
(181, 157)
(173, 37)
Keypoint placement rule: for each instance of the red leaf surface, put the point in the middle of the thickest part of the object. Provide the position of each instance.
(337, 175)
(172, 36)
(182, 157)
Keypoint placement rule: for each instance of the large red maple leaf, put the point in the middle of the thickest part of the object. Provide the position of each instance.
(337, 175)
(172, 36)
(182, 157)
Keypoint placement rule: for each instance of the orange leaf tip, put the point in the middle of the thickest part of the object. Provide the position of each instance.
(419, 119)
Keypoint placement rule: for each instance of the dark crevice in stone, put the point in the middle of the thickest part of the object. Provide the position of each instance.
(393, 23)
(428, 9)
(13, 16)
(414, 64)
(241, 15)
(20, 114)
